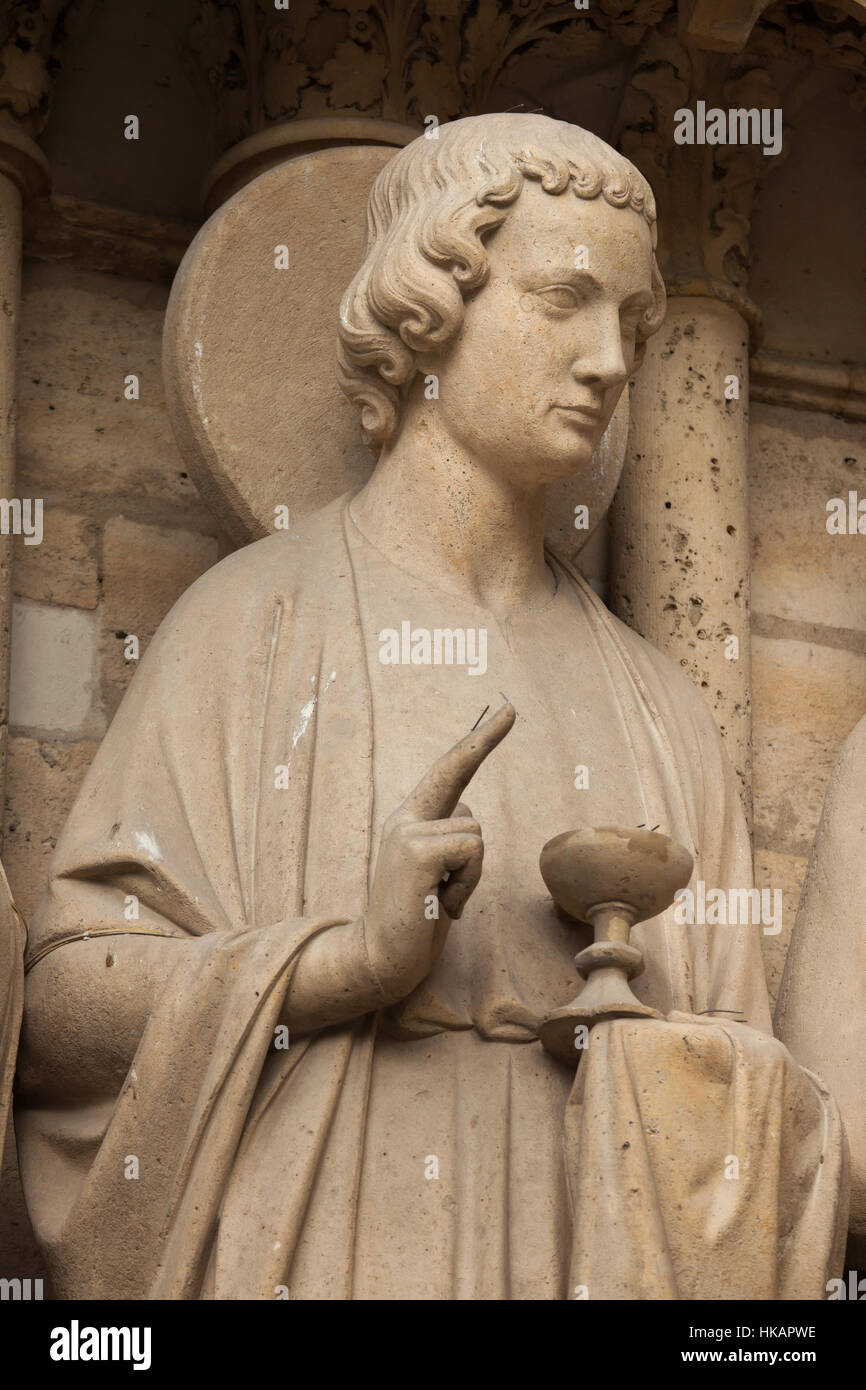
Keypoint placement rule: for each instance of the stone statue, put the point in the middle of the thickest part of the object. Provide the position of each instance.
(331, 1084)
(820, 1014)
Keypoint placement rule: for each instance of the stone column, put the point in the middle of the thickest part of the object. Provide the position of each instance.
(680, 522)
(23, 173)
(680, 539)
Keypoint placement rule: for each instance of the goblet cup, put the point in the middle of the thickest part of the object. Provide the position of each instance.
(610, 878)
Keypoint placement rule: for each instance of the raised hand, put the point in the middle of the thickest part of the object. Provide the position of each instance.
(427, 851)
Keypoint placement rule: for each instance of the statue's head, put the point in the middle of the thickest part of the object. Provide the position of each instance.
(513, 258)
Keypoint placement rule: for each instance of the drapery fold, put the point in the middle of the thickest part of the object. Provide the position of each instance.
(703, 1163)
(211, 802)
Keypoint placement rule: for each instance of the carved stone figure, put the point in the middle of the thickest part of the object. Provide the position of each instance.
(820, 1014)
(281, 1021)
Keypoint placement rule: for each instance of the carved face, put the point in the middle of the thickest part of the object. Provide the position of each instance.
(548, 343)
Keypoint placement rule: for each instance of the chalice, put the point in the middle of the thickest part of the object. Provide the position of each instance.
(610, 878)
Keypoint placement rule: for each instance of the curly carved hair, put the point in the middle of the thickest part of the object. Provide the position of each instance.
(428, 214)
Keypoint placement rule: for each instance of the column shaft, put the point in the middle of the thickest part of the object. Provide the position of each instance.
(681, 519)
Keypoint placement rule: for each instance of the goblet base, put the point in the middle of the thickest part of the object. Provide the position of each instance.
(607, 967)
(559, 1029)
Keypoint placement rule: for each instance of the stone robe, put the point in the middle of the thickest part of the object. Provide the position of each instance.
(431, 1150)
(11, 999)
(821, 1013)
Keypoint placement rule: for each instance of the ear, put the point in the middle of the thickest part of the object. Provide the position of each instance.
(639, 354)
(653, 318)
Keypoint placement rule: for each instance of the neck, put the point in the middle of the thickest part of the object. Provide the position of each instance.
(435, 510)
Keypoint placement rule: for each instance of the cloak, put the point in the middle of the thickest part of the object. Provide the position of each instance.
(261, 664)
(820, 1014)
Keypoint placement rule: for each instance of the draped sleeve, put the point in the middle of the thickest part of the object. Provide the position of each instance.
(194, 823)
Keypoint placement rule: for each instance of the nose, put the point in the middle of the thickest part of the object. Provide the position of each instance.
(600, 360)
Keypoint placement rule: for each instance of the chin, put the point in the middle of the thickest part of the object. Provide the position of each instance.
(544, 472)
(567, 460)
(562, 458)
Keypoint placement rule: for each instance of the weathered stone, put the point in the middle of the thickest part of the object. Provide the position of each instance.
(820, 1014)
(98, 236)
(807, 699)
(679, 534)
(784, 872)
(63, 568)
(42, 780)
(801, 573)
(53, 669)
(82, 334)
(145, 569)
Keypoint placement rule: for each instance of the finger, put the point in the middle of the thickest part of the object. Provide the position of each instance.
(439, 790)
(452, 825)
(455, 894)
(435, 855)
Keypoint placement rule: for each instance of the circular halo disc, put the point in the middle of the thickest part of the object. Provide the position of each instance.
(249, 354)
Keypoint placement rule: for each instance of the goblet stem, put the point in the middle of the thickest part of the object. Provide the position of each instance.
(611, 921)
(606, 966)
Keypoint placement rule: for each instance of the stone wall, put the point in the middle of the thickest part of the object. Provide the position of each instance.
(808, 637)
(124, 534)
(808, 591)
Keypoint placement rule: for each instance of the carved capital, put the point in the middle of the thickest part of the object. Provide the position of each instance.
(30, 31)
(704, 191)
(400, 60)
(804, 45)
(720, 26)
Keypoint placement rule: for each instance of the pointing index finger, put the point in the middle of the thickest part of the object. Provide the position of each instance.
(440, 789)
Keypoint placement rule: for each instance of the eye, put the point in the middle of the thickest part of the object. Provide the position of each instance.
(562, 297)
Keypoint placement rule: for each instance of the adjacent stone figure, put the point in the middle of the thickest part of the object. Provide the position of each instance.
(260, 1056)
(821, 1014)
